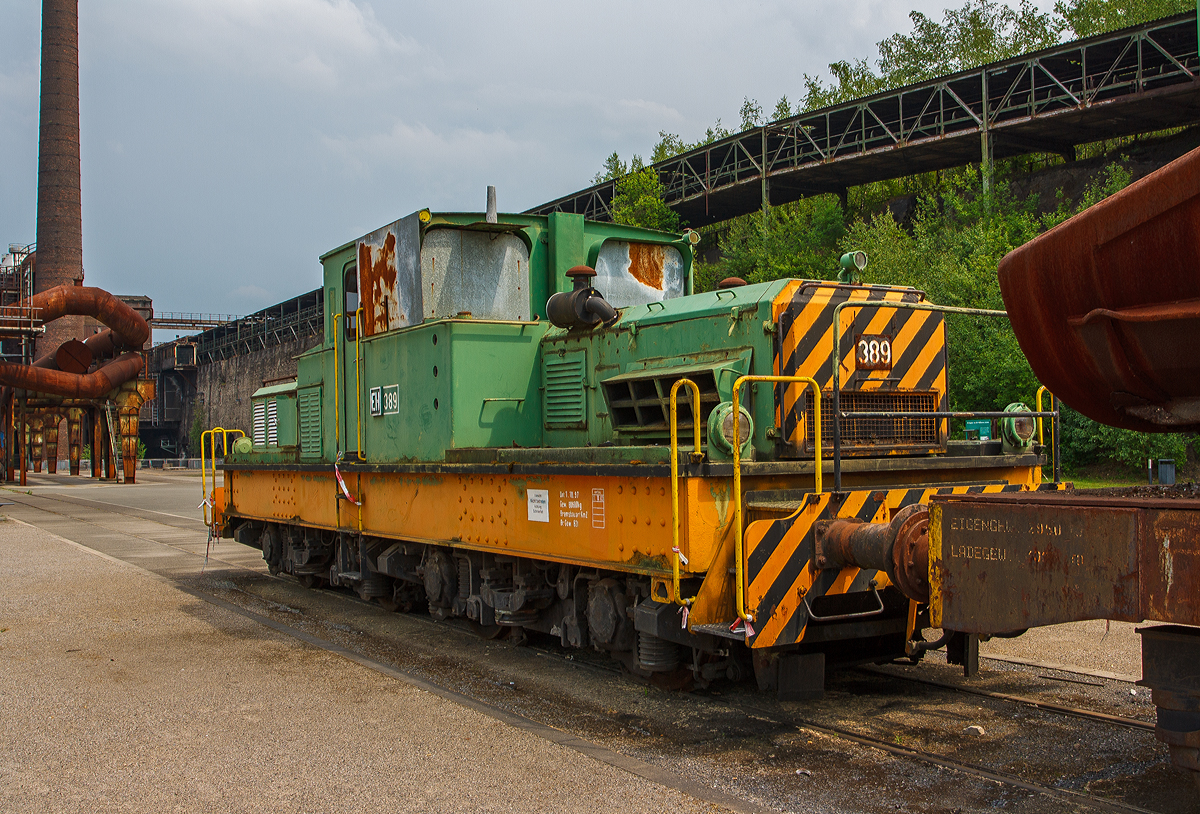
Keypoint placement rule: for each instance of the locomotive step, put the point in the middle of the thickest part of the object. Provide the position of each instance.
(719, 629)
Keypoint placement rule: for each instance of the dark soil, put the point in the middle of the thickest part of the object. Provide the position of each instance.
(1178, 491)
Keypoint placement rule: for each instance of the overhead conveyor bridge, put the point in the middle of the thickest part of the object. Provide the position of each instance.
(1136, 80)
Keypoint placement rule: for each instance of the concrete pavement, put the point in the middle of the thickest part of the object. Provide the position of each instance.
(122, 693)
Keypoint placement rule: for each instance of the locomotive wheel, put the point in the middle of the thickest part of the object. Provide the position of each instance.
(309, 580)
(271, 548)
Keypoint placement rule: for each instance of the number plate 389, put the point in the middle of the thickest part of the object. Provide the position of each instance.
(873, 352)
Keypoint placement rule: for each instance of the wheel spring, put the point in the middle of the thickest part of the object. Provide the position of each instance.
(374, 585)
(464, 578)
(657, 655)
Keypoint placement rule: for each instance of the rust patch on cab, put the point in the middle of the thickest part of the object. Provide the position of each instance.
(377, 285)
(646, 264)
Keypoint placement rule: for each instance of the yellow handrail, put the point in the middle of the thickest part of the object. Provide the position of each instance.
(358, 378)
(337, 416)
(739, 558)
(1053, 401)
(1041, 390)
(679, 600)
(212, 434)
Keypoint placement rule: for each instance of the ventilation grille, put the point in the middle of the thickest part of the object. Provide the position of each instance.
(876, 432)
(260, 423)
(644, 404)
(310, 423)
(266, 423)
(566, 401)
(273, 423)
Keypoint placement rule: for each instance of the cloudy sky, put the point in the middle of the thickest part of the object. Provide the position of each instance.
(228, 143)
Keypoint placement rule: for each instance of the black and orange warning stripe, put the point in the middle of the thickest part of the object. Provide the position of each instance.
(779, 557)
(803, 313)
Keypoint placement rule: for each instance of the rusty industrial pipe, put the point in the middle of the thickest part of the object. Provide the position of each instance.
(63, 373)
(899, 548)
(73, 385)
(74, 356)
(92, 302)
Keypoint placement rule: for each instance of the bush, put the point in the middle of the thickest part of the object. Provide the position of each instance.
(1087, 443)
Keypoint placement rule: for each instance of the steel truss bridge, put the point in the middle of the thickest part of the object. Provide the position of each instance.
(296, 318)
(187, 321)
(1136, 80)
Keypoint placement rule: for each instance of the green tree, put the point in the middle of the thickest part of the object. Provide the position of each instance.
(614, 168)
(714, 133)
(979, 32)
(751, 113)
(852, 80)
(669, 145)
(952, 253)
(195, 435)
(638, 200)
(1086, 18)
(1085, 442)
(783, 109)
(794, 240)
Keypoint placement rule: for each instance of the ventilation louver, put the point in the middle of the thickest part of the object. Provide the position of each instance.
(565, 397)
(310, 423)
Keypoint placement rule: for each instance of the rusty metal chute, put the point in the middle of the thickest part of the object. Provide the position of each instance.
(1106, 306)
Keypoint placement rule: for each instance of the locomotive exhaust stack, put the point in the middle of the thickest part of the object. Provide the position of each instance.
(582, 307)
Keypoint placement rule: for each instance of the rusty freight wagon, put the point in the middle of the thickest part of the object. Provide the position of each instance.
(535, 423)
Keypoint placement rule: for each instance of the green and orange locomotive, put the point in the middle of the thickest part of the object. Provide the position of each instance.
(535, 423)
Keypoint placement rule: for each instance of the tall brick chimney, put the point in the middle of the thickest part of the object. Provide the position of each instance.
(59, 257)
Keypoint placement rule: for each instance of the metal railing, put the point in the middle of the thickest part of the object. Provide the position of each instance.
(738, 553)
(209, 501)
(697, 455)
(1055, 430)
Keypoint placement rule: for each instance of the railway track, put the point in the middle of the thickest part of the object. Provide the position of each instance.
(1021, 700)
(926, 756)
(1087, 801)
(780, 719)
(929, 757)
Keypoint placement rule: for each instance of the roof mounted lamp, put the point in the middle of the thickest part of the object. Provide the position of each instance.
(583, 306)
(853, 264)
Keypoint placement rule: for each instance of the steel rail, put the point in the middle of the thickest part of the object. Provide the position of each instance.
(771, 716)
(1062, 709)
(1003, 778)
(899, 750)
(646, 770)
